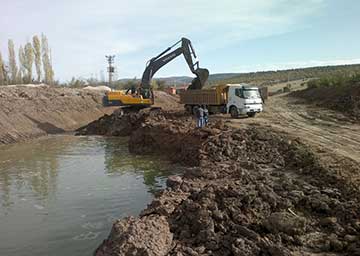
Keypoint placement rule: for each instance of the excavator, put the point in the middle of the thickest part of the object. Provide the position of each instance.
(143, 95)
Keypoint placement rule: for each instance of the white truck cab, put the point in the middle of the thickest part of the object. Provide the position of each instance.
(244, 99)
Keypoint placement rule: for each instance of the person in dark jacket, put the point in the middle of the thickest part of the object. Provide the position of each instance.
(199, 117)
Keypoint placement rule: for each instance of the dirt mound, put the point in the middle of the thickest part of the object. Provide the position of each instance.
(345, 99)
(124, 121)
(249, 192)
(149, 236)
(32, 111)
(167, 101)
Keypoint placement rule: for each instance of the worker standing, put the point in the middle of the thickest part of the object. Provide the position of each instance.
(206, 116)
(199, 117)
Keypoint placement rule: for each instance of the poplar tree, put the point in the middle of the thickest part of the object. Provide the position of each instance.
(29, 61)
(22, 64)
(12, 62)
(48, 71)
(37, 54)
(2, 71)
(19, 78)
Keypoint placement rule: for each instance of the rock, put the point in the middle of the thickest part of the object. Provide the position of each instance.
(165, 203)
(357, 225)
(350, 238)
(174, 181)
(190, 251)
(200, 249)
(328, 221)
(248, 233)
(335, 244)
(285, 222)
(148, 236)
(278, 250)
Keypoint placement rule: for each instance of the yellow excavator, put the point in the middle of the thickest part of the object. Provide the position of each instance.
(142, 95)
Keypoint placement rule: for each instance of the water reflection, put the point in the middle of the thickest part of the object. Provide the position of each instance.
(152, 169)
(33, 166)
(30, 166)
(59, 195)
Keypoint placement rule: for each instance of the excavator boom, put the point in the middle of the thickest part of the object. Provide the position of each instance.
(167, 55)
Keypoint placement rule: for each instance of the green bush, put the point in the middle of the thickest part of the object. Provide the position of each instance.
(334, 81)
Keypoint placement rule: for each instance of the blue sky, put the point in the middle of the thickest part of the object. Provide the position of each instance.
(228, 35)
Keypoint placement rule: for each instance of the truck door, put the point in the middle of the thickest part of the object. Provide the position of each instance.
(236, 98)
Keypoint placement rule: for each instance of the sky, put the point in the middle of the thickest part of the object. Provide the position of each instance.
(228, 35)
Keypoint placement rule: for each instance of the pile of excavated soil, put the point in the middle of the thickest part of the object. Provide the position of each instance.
(167, 101)
(33, 111)
(126, 120)
(345, 99)
(247, 192)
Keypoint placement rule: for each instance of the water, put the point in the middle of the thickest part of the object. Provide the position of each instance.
(59, 195)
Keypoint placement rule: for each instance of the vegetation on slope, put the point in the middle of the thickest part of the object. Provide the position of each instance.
(337, 92)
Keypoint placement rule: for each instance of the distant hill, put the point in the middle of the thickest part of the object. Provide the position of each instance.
(268, 77)
(264, 77)
(180, 80)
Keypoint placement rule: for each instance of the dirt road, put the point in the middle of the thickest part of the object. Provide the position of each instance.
(333, 138)
(325, 130)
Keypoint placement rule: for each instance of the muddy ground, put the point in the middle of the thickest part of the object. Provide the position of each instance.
(249, 190)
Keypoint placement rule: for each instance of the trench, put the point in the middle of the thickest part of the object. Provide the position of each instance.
(59, 195)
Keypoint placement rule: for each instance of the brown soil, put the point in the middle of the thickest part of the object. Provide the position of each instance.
(29, 112)
(345, 99)
(167, 101)
(32, 112)
(249, 191)
(333, 137)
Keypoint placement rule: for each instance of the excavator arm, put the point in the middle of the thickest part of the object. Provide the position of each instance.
(165, 57)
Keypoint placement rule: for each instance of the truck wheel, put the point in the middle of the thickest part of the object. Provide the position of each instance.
(234, 112)
(251, 114)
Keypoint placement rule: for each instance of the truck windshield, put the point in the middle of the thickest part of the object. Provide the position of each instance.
(251, 94)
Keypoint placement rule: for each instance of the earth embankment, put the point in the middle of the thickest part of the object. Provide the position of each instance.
(250, 191)
(345, 99)
(29, 112)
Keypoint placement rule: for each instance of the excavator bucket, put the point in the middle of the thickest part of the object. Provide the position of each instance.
(202, 75)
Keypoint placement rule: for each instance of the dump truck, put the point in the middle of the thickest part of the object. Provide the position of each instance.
(235, 99)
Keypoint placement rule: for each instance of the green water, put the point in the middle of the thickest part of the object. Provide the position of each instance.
(59, 195)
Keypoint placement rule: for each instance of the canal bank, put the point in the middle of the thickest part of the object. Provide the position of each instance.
(28, 112)
(59, 195)
(250, 191)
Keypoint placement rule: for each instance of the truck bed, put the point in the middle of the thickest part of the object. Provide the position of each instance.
(199, 97)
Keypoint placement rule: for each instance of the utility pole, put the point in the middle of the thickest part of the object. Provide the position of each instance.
(111, 68)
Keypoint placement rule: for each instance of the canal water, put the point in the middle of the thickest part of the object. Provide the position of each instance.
(59, 195)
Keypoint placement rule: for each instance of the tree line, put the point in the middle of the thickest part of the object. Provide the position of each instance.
(35, 53)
